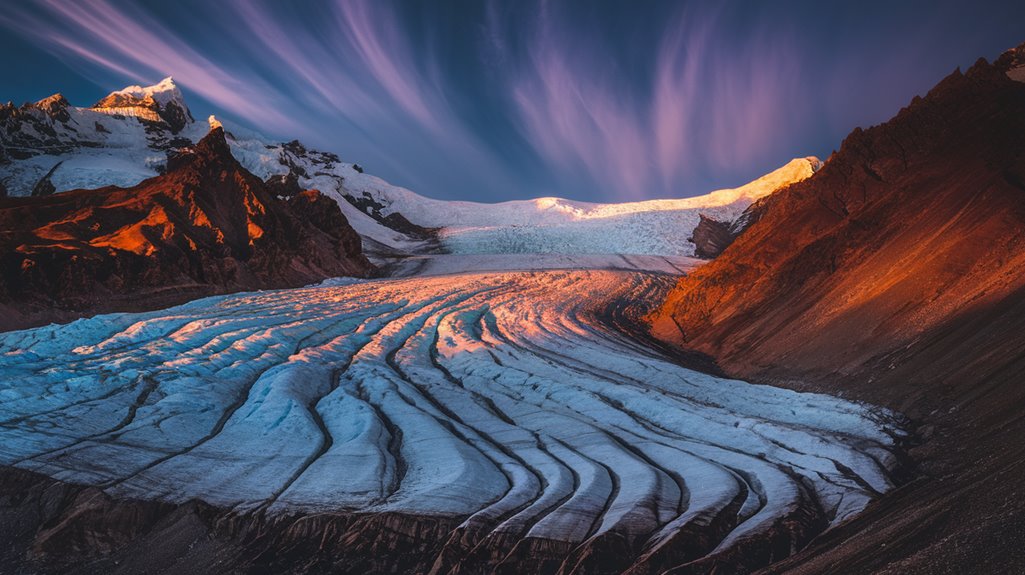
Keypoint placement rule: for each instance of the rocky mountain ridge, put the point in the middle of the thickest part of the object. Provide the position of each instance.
(207, 226)
(896, 275)
(130, 135)
(162, 102)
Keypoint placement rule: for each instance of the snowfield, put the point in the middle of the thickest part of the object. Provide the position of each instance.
(442, 264)
(559, 226)
(551, 226)
(510, 400)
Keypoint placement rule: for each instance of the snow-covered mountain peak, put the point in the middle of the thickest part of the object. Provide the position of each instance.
(1013, 63)
(162, 101)
(793, 171)
(57, 99)
(55, 106)
(163, 92)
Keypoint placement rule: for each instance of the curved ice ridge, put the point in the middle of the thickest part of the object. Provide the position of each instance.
(509, 399)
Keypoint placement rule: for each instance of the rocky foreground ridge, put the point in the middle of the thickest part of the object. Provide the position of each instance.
(896, 274)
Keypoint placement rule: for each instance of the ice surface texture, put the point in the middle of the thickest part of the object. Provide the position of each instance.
(507, 399)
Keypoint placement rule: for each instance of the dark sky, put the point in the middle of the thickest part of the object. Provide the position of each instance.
(590, 99)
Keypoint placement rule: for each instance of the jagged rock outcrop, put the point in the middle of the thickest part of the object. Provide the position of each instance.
(45, 187)
(1013, 63)
(284, 185)
(710, 237)
(896, 275)
(207, 226)
(394, 220)
(36, 128)
(56, 107)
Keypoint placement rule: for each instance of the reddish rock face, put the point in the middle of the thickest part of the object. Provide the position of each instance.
(909, 224)
(711, 237)
(896, 275)
(207, 226)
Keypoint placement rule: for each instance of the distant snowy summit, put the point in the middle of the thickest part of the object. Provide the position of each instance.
(162, 102)
(53, 126)
(51, 146)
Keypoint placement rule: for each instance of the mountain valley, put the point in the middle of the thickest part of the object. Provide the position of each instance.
(224, 353)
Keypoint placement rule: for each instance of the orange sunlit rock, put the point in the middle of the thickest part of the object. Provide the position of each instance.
(910, 225)
(206, 226)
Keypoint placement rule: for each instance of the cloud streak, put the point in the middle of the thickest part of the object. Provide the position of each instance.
(496, 100)
(705, 104)
(129, 42)
(360, 72)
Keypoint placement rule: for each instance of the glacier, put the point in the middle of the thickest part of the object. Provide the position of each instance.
(497, 379)
(519, 402)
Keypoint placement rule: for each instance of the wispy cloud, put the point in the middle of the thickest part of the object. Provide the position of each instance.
(360, 69)
(703, 103)
(363, 58)
(364, 69)
(706, 103)
(492, 100)
(128, 41)
(382, 49)
(362, 65)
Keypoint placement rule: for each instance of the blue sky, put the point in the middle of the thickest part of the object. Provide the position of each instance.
(488, 101)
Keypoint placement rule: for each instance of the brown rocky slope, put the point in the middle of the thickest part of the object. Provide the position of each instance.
(208, 226)
(896, 275)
